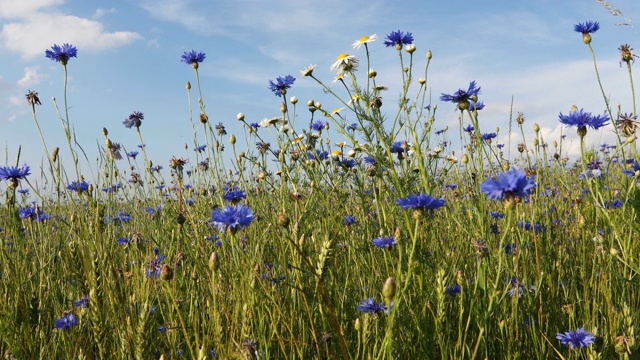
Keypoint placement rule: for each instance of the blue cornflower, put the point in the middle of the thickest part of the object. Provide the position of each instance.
(420, 202)
(352, 127)
(255, 126)
(635, 168)
(347, 163)
(66, 322)
(82, 302)
(200, 148)
(232, 218)
(234, 196)
(398, 39)
(13, 173)
(508, 185)
(349, 220)
(453, 290)
(132, 154)
(469, 128)
(318, 125)
(586, 29)
(384, 242)
(462, 97)
(370, 306)
(23, 191)
(476, 106)
(582, 119)
(489, 136)
(124, 240)
(319, 155)
(576, 339)
(440, 132)
(61, 54)
(134, 120)
(496, 215)
(397, 147)
(122, 216)
(193, 58)
(369, 160)
(281, 85)
(79, 187)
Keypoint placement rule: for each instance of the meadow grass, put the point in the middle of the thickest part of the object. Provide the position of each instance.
(281, 243)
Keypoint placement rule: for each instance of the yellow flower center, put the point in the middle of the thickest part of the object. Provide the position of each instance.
(364, 39)
(342, 56)
(337, 153)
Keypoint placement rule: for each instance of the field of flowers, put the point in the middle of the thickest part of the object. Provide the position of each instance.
(357, 232)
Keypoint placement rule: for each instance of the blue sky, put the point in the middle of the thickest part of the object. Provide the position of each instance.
(129, 60)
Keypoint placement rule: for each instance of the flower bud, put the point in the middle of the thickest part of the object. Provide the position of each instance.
(536, 127)
(188, 85)
(410, 48)
(294, 100)
(232, 139)
(283, 220)
(429, 55)
(372, 73)
(422, 81)
(310, 103)
(357, 325)
(166, 273)
(465, 158)
(213, 262)
(240, 116)
(389, 290)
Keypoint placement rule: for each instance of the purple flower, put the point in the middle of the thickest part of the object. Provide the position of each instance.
(581, 120)
(384, 242)
(66, 322)
(587, 28)
(82, 302)
(349, 220)
(508, 184)
(193, 58)
(78, 186)
(576, 339)
(318, 125)
(398, 39)
(489, 136)
(462, 97)
(232, 218)
(234, 196)
(397, 147)
(281, 85)
(14, 173)
(369, 306)
(453, 290)
(61, 54)
(134, 120)
(420, 202)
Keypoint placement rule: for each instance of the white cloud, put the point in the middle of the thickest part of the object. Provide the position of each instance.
(19, 9)
(101, 12)
(15, 100)
(31, 77)
(41, 30)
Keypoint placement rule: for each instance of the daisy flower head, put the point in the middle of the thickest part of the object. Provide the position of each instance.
(509, 186)
(193, 58)
(345, 63)
(462, 97)
(61, 54)
(280, 86)
(364, 41)
(586, 29)
(398, 39)
(308, 71)
(582, 119)
(576, 338)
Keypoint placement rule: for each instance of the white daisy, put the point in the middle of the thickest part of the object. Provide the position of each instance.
(365, 40)
(345, 63)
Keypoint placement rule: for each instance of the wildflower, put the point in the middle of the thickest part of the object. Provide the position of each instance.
(232, 218)
(462, 97)
(82, 302)
(126, 240)
(576, 339)
(488, 136)
(349, 220)
(420, 202)
(200, 148)
(132, 154)
(586, 29)
(384, 242)
(626, 54)
(32, 98)
(193, 58)
(364, 41)
(221, 129)
(318, 125)
(345, 63)
(61, 54)
(581, 120)
(281, 85)
(81, 186)
(352, 127)
(272, 121)
(319, 155)
(308, 71)
(134, 120)
(346, 163)
(398, 39)
(593, 171)
(14, 174)
(635, 167)
(234, 196)
(66, 322)
(627, 124)
(453, 290)
(369, 306)
(23, 191)
(469, 129)
(509, 186)
(397, 147)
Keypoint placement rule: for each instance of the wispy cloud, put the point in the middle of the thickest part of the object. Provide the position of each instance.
(19, 9)
(102, 12)
(32, 77)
